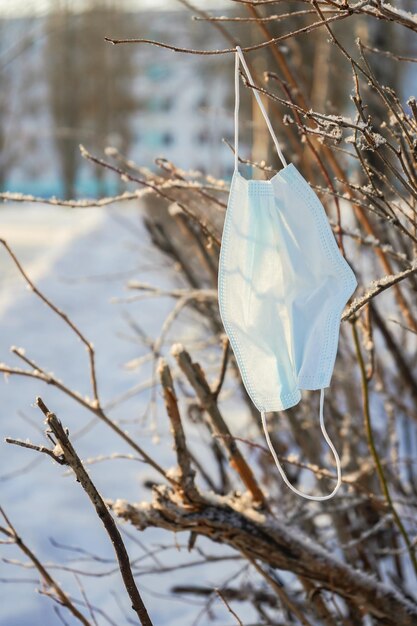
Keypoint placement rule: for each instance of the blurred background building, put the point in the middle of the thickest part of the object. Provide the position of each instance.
(61, 84)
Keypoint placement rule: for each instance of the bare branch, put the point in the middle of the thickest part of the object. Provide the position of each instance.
(63, 316)
(267, 539)
(61, 596)
(264, 44)
(186, 479)
(197, 380)
(228, 607)
(72, 459)
(377, 287)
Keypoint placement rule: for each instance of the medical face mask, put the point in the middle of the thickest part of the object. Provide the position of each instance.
(283, 284)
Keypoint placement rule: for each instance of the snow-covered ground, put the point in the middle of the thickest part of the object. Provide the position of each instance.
(82, 259)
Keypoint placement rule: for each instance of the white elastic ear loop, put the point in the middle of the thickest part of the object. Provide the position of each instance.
(261, 106)
(329, 443)
(237, 99)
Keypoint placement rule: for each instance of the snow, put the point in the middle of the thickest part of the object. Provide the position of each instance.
(82, 259)
(407, 15)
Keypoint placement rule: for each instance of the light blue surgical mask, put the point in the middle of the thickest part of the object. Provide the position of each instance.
(283, 284)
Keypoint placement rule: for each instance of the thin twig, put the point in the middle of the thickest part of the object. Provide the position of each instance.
(374, 452)
(11, 532)
(279, 591)
(228, 607)
(9, 196)
(375, 289)
(197, 380)
(157, 189)
(259, 46)
(186, 479)
(63, 316)
(72, 459)
(225, 359)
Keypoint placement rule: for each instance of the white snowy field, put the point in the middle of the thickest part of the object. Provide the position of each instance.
(82, 259)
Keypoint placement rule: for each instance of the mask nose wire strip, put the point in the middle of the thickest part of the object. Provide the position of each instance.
(239, 55)
(329, 443)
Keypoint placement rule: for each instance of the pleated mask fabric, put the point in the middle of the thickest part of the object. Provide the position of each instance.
(283, 284)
